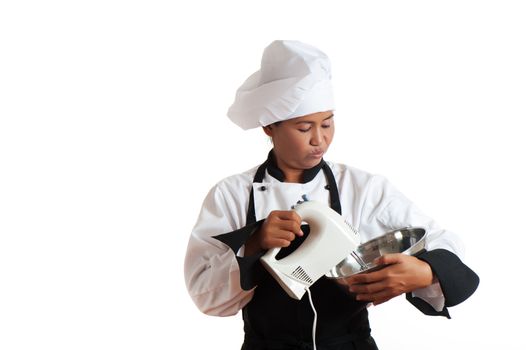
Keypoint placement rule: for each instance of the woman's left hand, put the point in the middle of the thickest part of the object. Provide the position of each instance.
(403, 274)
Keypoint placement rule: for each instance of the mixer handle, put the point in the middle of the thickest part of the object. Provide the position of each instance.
(317, 215)
(308, 212)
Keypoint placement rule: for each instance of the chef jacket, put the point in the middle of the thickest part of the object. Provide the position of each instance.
(221, 281)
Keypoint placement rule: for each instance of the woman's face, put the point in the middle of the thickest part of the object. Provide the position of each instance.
(300, 143)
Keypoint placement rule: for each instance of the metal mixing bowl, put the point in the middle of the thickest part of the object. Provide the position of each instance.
(410, 241)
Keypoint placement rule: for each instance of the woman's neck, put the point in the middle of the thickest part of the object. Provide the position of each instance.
(290, 174)
(293, 176)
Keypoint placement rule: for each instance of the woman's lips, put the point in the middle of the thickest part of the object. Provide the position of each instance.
(316, 154)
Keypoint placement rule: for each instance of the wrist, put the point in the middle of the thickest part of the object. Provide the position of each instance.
(252, 245)
(428, 277)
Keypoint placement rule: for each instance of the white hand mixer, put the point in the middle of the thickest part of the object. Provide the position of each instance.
(330, 241)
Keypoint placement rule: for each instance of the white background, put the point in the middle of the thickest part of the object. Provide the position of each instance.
(113, 129)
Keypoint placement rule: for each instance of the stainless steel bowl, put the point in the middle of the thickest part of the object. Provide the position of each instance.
(410, 241)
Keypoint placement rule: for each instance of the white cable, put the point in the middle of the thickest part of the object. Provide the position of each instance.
(315, 319)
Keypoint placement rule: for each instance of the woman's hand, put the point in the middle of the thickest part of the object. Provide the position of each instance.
(403, 274)
(278, 230)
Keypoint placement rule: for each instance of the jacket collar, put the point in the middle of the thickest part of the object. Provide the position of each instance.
(277, 173)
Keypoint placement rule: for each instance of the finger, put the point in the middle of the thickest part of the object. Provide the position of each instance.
(356, 279)
(289, 225)
(286, 219)
(277, 238)
(288, 215)
(368, 288)
(277, 227)
(278, 215)
(369, 277)
(376, 298)
(296, 217)
(279, 243)
(285, 234)
(374, 276)
(293, 216)
(389, 259)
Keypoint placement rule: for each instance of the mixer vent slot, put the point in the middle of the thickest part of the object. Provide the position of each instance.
(300, 274)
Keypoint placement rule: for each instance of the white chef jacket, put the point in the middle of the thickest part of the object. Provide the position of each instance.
(368, 202)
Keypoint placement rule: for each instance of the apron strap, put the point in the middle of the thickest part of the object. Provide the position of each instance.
(333, 188)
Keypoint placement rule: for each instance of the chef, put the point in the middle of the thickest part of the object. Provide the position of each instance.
(290, 97)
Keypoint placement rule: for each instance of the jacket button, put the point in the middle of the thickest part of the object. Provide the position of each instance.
(262, 188)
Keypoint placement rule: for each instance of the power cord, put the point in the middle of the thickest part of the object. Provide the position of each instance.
(315, 319)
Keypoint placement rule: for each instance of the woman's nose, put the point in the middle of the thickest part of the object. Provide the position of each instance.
(316, 137)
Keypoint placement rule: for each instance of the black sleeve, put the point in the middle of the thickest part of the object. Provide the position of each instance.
(458, 282)
(249, 267)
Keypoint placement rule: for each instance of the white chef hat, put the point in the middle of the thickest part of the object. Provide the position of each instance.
(294, 80)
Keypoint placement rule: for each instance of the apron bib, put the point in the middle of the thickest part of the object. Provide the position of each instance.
(272, 319)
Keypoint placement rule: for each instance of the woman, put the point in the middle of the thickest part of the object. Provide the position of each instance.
(244, 215)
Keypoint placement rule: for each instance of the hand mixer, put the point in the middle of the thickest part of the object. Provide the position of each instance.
(329, 242)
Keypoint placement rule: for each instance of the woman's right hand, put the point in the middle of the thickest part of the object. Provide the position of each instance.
(278, 230)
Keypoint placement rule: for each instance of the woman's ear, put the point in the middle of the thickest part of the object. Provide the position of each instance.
(268, 130)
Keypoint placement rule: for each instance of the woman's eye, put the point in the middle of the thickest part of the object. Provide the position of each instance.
(304, 130)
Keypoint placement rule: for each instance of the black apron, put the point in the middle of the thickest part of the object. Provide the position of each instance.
(273, 320)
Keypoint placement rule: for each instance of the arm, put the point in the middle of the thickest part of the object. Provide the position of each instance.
(402, 274)
(433, 280)
(221, 270)
(278, 230)
(211, 271)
